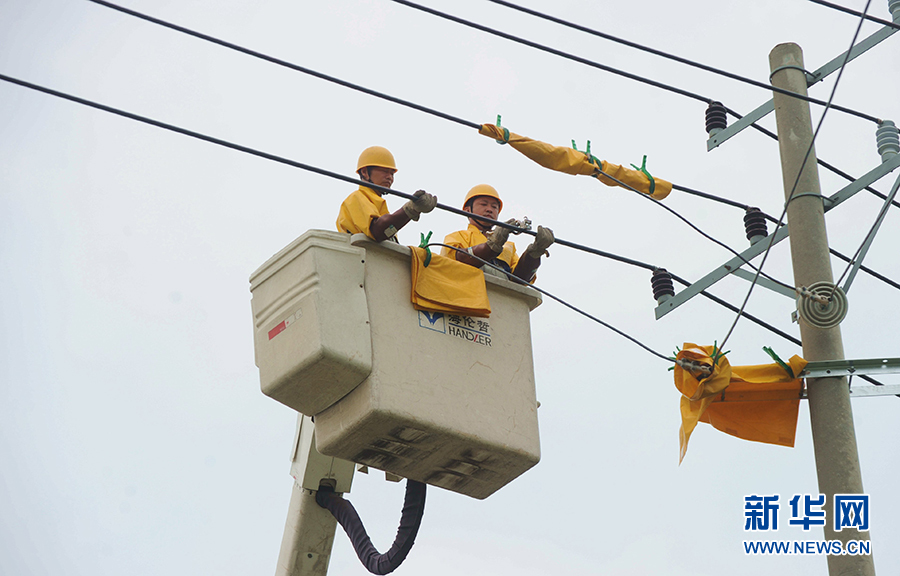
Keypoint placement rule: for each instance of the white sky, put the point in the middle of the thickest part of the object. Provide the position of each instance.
(133, 435)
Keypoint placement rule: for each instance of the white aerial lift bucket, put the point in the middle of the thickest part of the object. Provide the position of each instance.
(444, 399)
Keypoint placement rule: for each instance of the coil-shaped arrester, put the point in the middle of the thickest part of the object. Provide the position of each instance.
(663, 288)
(716, 118)
(755, 225)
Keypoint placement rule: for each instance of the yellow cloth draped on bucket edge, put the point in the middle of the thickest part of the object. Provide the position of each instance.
(725, 398)
(447, 286)
(571, 161)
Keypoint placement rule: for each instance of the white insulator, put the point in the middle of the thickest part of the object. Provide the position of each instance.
(887, 138)
(894, 9)
(815, 313)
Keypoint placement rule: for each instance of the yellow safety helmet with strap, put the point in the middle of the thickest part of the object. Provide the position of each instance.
(483, 190)
(376, 156)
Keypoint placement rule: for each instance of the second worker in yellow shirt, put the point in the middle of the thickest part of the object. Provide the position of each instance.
(488, 243)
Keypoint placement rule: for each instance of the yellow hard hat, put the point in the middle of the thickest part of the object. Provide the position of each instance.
(483, 190)
(376, 156)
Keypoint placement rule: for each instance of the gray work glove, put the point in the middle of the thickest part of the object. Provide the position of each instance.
(423, 202)
(542, 240)
(498, 237)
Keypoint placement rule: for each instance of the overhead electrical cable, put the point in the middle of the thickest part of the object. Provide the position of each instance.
(790, 196)
(598, 65)
(855, 13)
(286, 64)
(330, 174)
(635, 45)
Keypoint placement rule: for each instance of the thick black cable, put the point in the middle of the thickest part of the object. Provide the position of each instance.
(790, 196)
(635, 45)
(595, 64)
(855, 13)
(560, 300)
(290, 65)
(410, 521)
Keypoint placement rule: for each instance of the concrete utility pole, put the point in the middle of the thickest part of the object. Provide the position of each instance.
(834, 439)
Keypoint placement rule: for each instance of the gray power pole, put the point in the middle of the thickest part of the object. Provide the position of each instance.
(834, 439)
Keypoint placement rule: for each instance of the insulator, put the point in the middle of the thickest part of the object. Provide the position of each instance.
(663, 288)
(716, 118)
(755, 225)
(894, 8)
(821, 315)
(887, 138)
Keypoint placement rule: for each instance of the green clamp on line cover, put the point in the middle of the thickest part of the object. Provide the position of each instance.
(779, 361)
(505, 133)
(643, 169)
(587, 152)
(423, 243)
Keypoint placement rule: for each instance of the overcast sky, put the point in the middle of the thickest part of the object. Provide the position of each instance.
(133, 434)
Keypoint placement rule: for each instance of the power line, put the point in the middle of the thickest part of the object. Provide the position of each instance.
(290, 65)
(595, 64)
(797, 179)
(654, 51)
(855, 13)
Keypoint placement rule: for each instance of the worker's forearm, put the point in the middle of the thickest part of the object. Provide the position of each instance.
(379, 227)
(527, 266)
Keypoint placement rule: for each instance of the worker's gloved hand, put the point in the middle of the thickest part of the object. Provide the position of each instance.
(542, 240)
(498, 237)
(423, 202)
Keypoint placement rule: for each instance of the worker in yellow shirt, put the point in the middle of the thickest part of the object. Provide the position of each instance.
(488, 243)
(365, 211)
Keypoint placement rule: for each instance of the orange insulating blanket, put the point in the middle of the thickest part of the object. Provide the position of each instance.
(563, 159)
(758, 403)
(446, 285)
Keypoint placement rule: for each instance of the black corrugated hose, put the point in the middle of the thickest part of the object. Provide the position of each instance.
(410, 520)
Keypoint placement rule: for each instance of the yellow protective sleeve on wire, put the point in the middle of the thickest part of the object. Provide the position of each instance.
(770, 414)
(446, 285)
(570, 161)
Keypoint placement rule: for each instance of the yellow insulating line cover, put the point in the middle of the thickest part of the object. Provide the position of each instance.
(446, 285)
(564, 159)
(772, 419)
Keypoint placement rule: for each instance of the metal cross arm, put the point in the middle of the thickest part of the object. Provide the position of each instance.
(831, 368)
(780, 234)
(817, 76)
